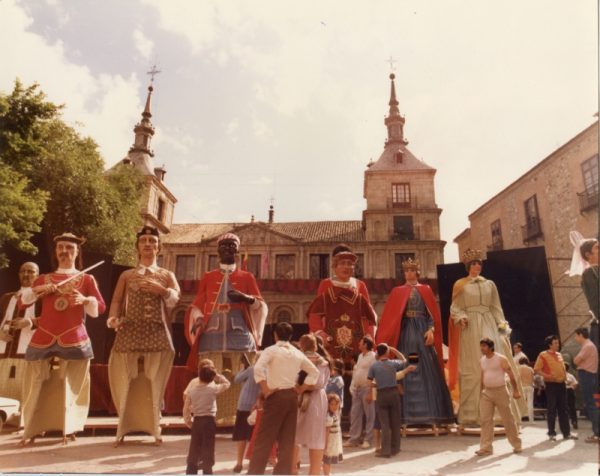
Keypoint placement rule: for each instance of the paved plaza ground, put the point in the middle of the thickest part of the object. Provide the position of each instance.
(420, 455)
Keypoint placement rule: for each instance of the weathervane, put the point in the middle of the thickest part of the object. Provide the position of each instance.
(153, 72)
(391, 61)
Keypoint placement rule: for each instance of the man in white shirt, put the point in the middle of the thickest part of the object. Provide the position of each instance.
(359, 389)
(276, 371)
(518, 353)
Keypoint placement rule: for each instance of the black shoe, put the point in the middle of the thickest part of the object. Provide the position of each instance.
(381, 455)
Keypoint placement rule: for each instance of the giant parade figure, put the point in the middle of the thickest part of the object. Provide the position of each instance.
(142, 355)
(476, 313)
(56, 391)
(411, 322)
(17, 324)
(342, 314)
(226, 320)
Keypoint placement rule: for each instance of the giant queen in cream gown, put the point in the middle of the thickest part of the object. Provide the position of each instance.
(476, 313)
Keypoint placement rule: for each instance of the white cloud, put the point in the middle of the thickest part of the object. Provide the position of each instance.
(103, 106)
(143, 44)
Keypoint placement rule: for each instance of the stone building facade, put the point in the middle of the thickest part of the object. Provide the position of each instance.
(401, 220)
(540, 208)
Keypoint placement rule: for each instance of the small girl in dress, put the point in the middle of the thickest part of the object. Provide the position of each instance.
(333, 437)
(336, 381)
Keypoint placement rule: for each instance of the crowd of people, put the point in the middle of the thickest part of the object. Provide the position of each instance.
(292, 393)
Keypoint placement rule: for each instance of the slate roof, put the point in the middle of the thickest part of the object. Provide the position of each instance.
(387, 159)
(306, 231)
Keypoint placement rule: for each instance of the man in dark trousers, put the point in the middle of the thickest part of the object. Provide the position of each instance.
(276, 371)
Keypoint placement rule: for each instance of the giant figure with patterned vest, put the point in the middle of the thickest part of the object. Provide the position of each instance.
(57, 374)
(226, 320)
(342, 314)
(142, 355)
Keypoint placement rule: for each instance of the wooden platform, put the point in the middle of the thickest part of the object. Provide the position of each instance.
(424, 430)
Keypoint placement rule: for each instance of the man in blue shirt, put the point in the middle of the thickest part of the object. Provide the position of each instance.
(384, 374)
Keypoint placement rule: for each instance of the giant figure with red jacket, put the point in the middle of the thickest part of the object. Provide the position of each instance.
(227, 317)
(411, 323)
(342, 314)
(56, 392)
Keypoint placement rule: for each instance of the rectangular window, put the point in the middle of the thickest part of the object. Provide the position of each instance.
(400, 195)
(533, 227)
(285, 266)
(359, 268)
(319, 266)
(531, 210)
(589, 170)
(496, 235)
(213, 262)
(253, 265)
(399, 258)
(403, 228)
(160, 210)
(184, 267)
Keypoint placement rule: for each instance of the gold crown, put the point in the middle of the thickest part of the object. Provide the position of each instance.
(471, 255)
(411, 264)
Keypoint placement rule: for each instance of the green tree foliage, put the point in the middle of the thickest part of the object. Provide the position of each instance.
(21, 212)
(57, 160)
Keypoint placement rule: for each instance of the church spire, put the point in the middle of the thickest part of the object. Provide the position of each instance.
(144, 130)
(394, 121)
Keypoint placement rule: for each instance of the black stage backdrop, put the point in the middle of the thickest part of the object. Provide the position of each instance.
(525, 289)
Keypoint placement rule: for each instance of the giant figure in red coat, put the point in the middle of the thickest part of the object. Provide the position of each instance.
(411, 323)
(342, 313)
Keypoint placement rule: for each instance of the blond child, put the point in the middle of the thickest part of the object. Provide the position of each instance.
(333, 434)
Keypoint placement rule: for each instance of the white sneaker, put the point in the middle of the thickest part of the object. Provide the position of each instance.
(365, 445)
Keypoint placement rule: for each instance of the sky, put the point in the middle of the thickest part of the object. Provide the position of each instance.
(284, 100)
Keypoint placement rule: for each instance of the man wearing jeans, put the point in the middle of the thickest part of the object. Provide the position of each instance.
(587, 371)
(360, 390)
(385, 374)
(551, 366)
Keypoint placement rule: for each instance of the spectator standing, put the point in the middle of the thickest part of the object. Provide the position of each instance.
(571, 384)
(199, 412)
(551, 367)
(360, 390)
(518, 353)
(384, 372)
(587, 371)
(242, 431)
(333, 433)
(312, 419)
(494, 395)
(336, 381)
(276, 371)
(527, 375)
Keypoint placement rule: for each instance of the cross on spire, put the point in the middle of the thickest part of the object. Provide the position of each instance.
(391, 61)
(153, 72)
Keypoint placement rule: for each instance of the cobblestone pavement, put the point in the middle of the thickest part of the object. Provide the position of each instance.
(420, 455)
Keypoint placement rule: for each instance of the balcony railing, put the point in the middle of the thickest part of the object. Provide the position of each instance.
(588, 199)
(532, 230)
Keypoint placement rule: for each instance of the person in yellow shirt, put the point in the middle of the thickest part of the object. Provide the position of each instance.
(551, 367)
